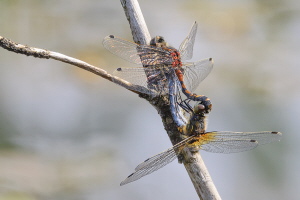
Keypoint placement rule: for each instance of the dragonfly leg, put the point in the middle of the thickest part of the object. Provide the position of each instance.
(185, 105)
(203, 100)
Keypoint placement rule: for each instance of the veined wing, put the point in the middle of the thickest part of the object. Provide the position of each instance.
(152, 164)
(195, 73)
(135, 53)
(216, 142)
(156, 162)
(155, 78)
(186, 47)
(233, 142)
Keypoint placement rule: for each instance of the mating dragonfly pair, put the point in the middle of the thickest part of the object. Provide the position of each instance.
(163, 73)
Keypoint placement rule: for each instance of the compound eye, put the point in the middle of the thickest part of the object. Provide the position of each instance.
(160, 40)
(201, 107)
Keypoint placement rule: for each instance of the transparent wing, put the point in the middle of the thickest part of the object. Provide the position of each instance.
(186, 47)
(135, 53)
(195, 73)
(155, 78)
(233, 142)
(135, 75)
(152, 164)
(216, 142)
(156, 162)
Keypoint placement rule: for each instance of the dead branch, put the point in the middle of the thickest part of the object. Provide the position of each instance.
(196, 170)
(46, 54)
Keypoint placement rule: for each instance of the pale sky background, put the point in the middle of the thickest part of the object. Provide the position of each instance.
(68, 134)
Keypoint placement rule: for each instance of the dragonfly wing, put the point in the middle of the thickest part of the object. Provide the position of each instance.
(122, 48)
(186, 47)
(233, 142)
(156, 162)
(135, 53)
(153, 78)
(150, 165)
(195, 73)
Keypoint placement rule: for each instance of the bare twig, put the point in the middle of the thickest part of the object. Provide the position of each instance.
(197, 171)
(42, 53)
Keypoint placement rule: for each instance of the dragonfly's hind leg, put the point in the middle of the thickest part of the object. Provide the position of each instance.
(203, 106)
(185, 105)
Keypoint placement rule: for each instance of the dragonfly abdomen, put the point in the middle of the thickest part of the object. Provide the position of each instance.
(200, 98)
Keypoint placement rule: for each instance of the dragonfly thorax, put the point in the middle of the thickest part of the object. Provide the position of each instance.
(159, 41)
(197, 122)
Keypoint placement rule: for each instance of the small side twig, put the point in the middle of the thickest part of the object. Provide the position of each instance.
(46, 54)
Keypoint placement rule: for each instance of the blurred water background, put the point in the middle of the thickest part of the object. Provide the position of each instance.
(68, 134)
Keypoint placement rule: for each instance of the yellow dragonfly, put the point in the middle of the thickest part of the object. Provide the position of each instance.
(198, 139)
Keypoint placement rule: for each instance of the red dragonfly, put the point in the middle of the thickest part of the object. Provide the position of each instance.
(160, 61)
(216, 142)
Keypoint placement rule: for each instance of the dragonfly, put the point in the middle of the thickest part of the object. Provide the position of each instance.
(162, 62)
(198, 139)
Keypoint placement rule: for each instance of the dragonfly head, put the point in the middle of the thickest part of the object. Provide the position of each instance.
(199, 109)
(158, 41)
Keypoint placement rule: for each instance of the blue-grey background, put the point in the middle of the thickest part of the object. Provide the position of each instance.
(68, 134)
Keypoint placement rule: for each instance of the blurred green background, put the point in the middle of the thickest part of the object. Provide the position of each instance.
(68, 134)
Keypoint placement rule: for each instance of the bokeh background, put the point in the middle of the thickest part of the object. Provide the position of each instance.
(68, 134)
